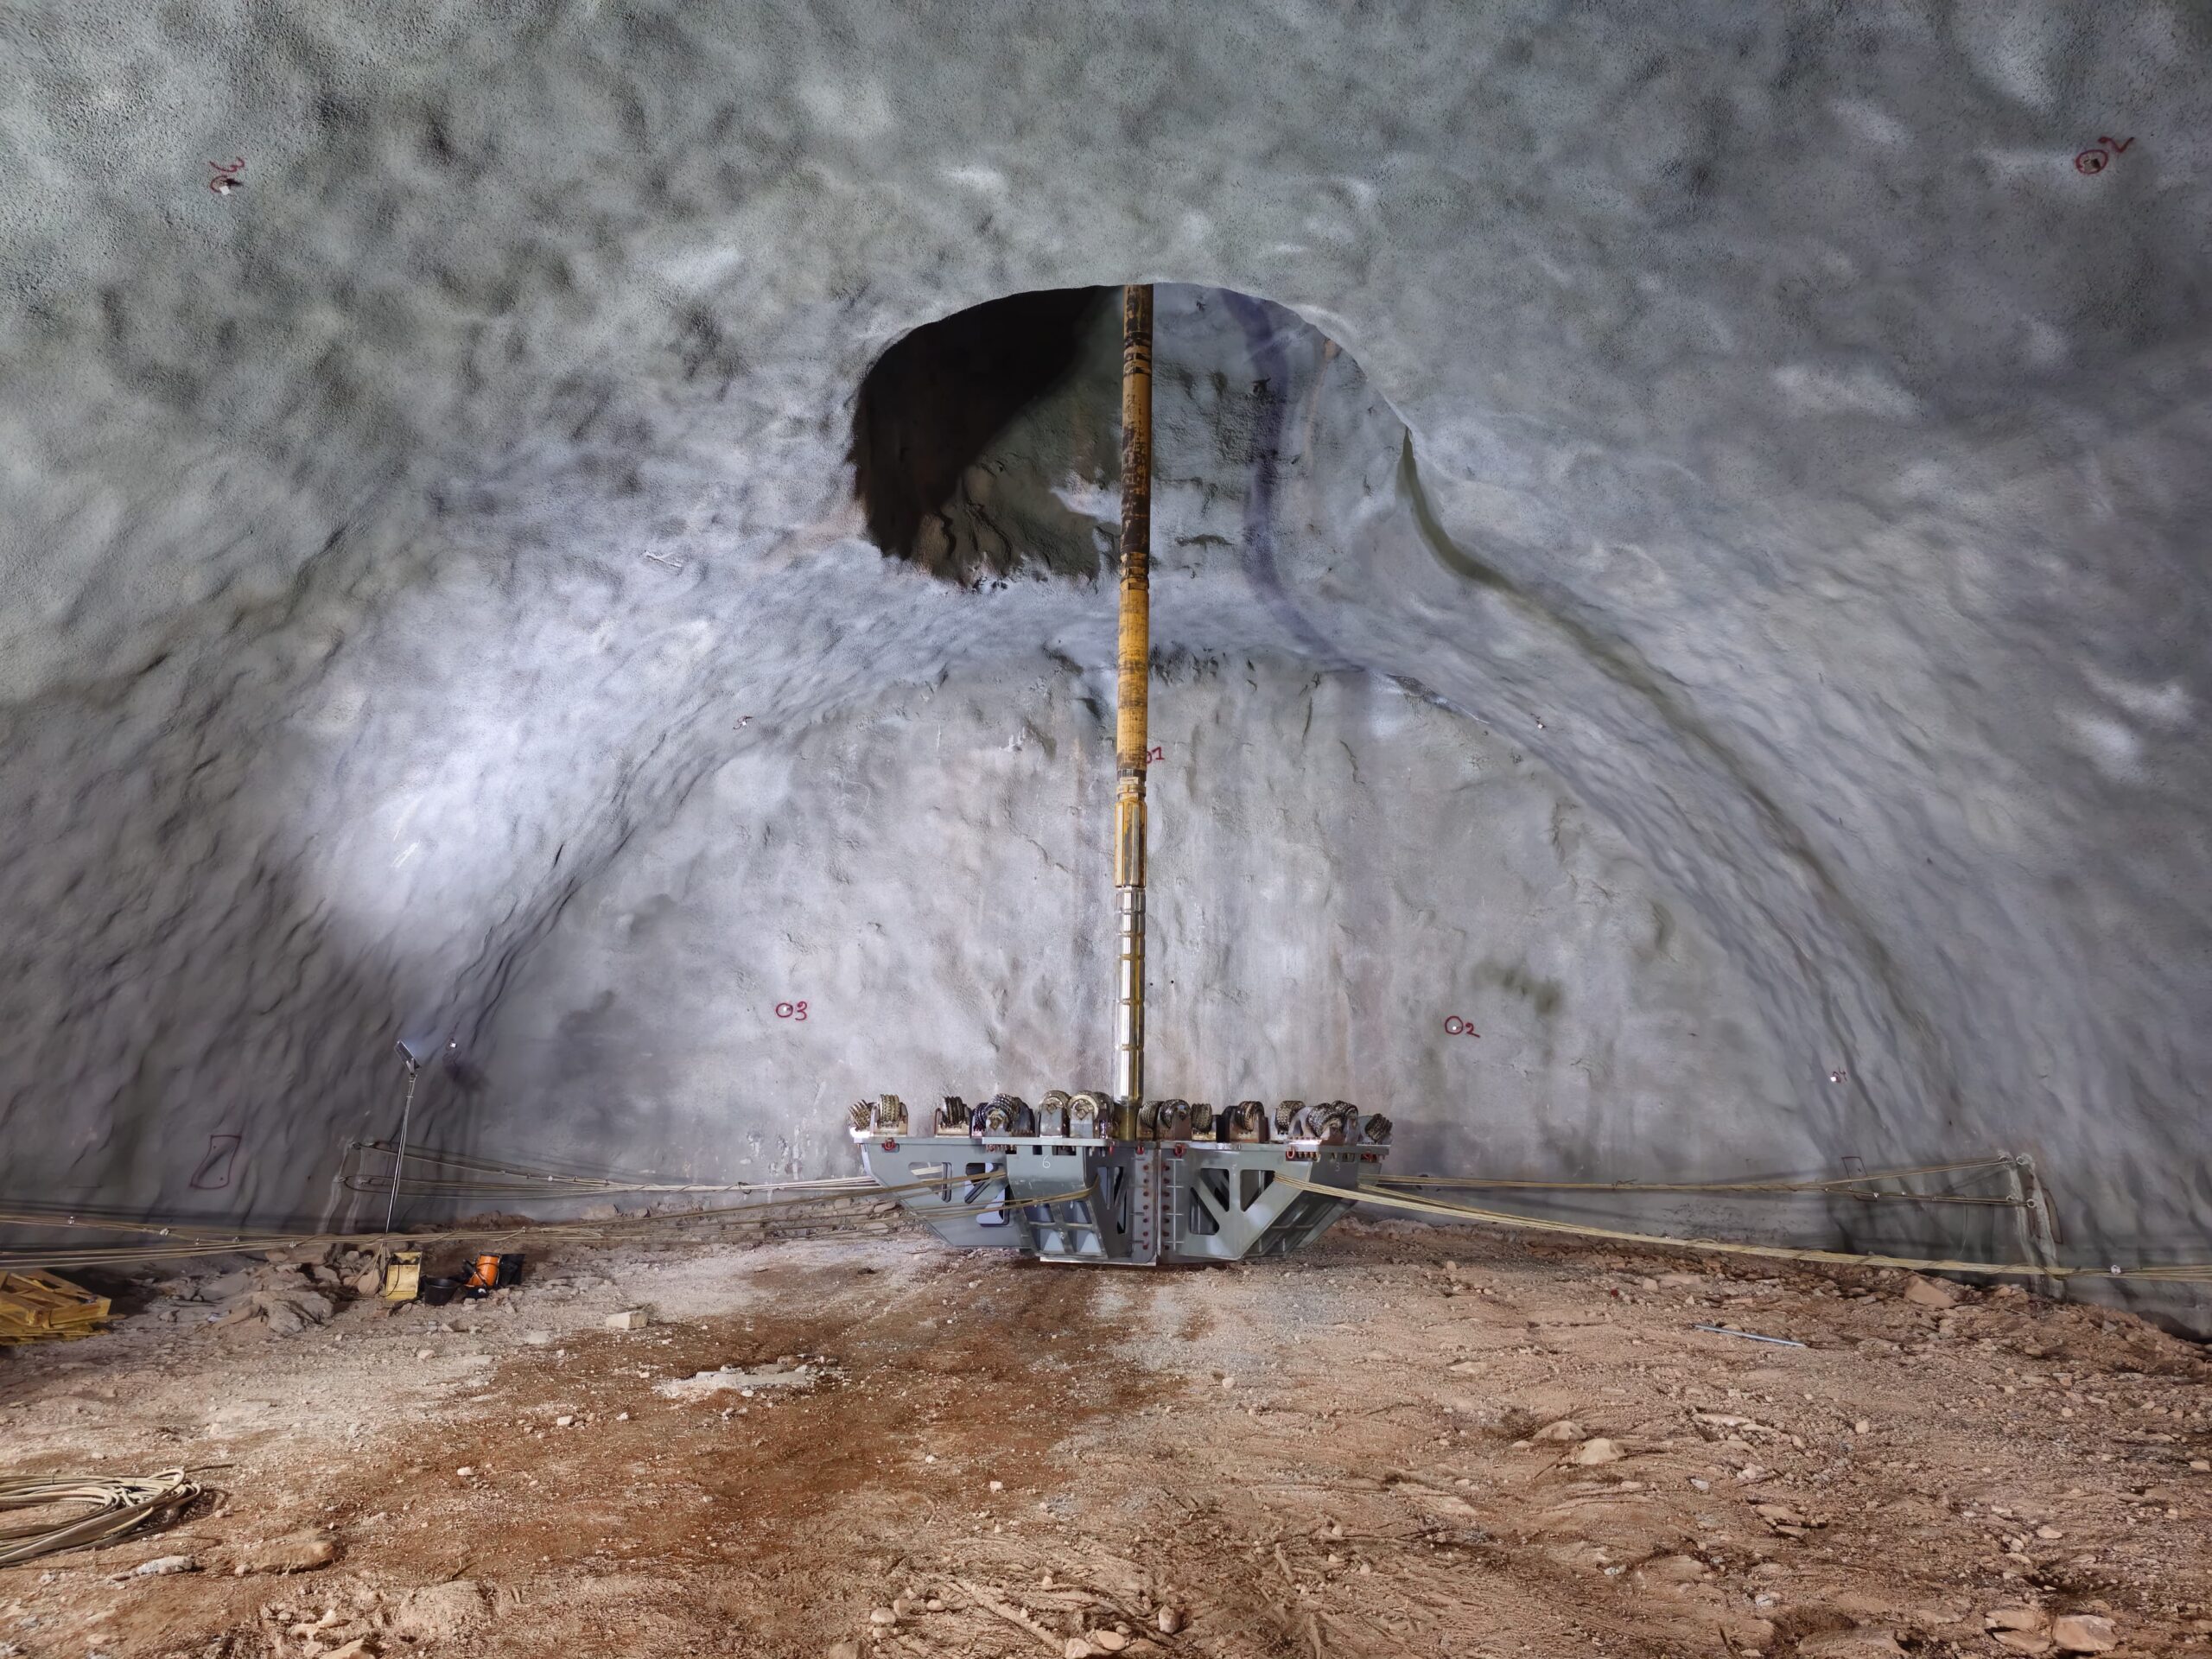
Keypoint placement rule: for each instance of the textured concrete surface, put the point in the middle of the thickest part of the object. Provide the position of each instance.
(1339, 869)
(1765, 403)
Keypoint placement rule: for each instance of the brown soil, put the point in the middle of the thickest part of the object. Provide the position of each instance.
(1340, 1455)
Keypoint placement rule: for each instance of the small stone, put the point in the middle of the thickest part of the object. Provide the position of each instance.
(465, 1471)
(2201, 1465)
(1565, 1429)
(296, 1554)
(1593, 1453)
(1862, 1427)
(2016, 1618)
(1863, 1643)
(843, 1650)
(630, 1318)
(2084, 1633)
(162, 1566)
(882, 1616)
(1077, 1647)
(2028, 1642)
(1109, 1641)
(1931, 1292)
(2049, 1533)
(933, 1605)
(565, 1421)
(1676, 1569)
(538, 1339)
(998, 1485)
(1169, 1619)
(621, 1416)
(426, 1353)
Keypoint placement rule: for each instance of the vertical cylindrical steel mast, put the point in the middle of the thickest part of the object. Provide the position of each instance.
(1130, 731)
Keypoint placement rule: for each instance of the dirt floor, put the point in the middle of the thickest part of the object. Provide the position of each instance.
(1413, 1441)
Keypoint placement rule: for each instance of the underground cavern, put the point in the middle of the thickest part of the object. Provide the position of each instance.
(1265, 830)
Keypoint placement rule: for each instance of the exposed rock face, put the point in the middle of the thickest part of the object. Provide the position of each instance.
(419, 558)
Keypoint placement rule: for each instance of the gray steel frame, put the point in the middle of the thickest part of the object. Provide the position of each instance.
(1142, 1203)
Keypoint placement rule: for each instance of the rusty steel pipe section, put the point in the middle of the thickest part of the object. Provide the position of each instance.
(1130, 729)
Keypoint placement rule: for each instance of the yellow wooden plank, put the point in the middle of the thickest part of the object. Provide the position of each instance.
(47, 1301)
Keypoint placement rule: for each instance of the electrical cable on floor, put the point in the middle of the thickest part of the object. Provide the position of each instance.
(2182, 1273)
(117, 1504)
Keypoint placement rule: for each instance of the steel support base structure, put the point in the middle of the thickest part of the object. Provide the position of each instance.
(1137, 1203)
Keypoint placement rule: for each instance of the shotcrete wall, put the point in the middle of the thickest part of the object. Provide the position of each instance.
(1755, 419)
(1339, 867)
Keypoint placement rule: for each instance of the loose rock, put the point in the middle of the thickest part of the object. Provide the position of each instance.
(1932, 1292)
(1591, 1452)
(298, 1552)
(2084, 1633)
(1851, 1644)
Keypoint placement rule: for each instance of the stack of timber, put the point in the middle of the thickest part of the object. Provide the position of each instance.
(45, 1307)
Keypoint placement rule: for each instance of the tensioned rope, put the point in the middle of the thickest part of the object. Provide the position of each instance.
(209, 1244)
(506, 1178)
(2189, 1272)
(1833, 1186)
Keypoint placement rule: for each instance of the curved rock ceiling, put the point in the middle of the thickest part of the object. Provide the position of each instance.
(1681, 539)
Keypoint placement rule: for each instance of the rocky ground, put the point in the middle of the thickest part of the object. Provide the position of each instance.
(1413, 1441)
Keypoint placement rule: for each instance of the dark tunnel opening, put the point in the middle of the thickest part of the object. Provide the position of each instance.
(929, 406)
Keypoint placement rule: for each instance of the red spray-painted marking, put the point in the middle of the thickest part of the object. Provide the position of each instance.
(225, 179)
(2099, 157)
(214, 1171)
(1455, 1027)
(790, 1011)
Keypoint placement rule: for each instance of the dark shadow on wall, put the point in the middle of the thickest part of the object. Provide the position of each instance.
(929, 406)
